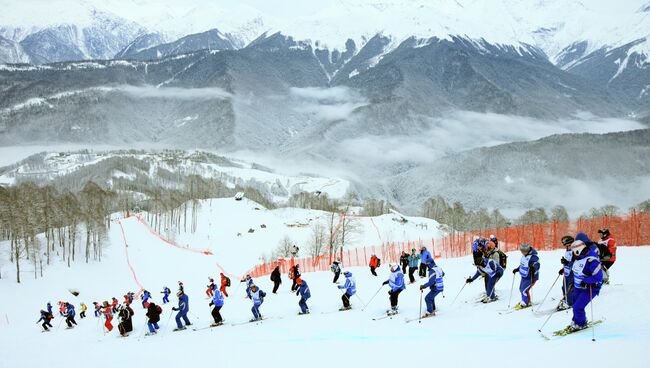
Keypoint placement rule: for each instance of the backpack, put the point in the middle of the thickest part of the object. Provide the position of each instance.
(227, 281)
(158, 309)
(378, 262)
(503, 259)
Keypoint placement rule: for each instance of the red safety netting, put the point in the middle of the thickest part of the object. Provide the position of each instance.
(629, 230)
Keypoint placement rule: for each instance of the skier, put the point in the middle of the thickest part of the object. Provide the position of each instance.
(404, 261)
(165, 294)
(46, 317)
(304, 293)
(126, 324)
(295, 274)
(153, 314)
(435, 286)
(493, 272)
(108, 314)
(130, 295)
(62, 308)
(49, 309)
(477, 253)
(217, 301)
(567, 285)
(249, 282)
(529, 271)
(350, 287)
(607, 248)
(257, 296)
(114, 305)
(396, 283)
(225, 282)
(426, 259)
(98, 309)
(183, 308)
(336, 269)
(82, 315)
(375, 262)
(210, 288)
(69, 315)
(588, 278)
(414, 263)
(145, 299)
(276, 278)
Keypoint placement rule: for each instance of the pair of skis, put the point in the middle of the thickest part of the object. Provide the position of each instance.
(567, 331)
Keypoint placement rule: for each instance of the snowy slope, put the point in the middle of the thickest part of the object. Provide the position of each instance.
(551, 25)
(317, 340)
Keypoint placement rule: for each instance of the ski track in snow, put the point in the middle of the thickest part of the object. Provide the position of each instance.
(318, 339)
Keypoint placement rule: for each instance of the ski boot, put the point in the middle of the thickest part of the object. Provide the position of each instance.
(521, 305)
(180, 329)
(345, 308)
(305, 312)
(573, 327)
(562, 306)
(392, 311)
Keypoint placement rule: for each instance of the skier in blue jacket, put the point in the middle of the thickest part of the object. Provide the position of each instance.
(529, 271)
(249, 282)
(435, 286)
(304, 293)
(350, 287)
(567, 283)
(493, 271)
(145, 299)
(257, 296)
(424, 261)
(396, 283)
(183, 308)
(165, 294)
(46, 317)
(587, 279)
(69, 315)
(218, 302)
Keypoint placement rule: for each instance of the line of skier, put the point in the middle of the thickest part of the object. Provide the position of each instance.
(584, 266)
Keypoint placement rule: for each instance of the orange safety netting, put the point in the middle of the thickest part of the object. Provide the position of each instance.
(629, 230)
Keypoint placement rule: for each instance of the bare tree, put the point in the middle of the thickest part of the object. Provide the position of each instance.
(317, 241)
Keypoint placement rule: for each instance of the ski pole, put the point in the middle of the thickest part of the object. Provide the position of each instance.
(512, 289)
(171, 312)
(566, 297)
(457, 295)
(547, 294)
(552, 313)
(420, 318)
(591, 305)
(373, 297)
(59, 325)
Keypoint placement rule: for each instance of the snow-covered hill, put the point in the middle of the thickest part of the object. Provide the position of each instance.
(323, 338)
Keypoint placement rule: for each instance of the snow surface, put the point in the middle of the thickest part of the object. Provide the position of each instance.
(464, 334)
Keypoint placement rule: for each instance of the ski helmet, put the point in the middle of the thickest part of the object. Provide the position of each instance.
(567, 240)
(577, 246)
(179, 293)
(604, 232)
(525, 248)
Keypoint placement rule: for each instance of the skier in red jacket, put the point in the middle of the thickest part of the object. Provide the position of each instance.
(225, 282)
(607, 249)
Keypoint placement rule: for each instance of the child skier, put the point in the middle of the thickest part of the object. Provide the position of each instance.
(374, 264)
(145, 299)
(217, 302)
(304, 293)
(114, 305)
(225, 282)
(209, 292)
(529, 271)
(108, 314)
(183, 308)
(295, 274)
(82, 315)
(567, 285)
(46, 317)
(276, 278)
(98, 309)
(153, 314)
(336, 269)
(249, 282)
(69, 315)
(588, 278)
(350, 287)
(165, 294)
(257, 296)
(607, 249)
(126, 324)
(396, 283)
(493, 271)
(404, 261)
(435, 286)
